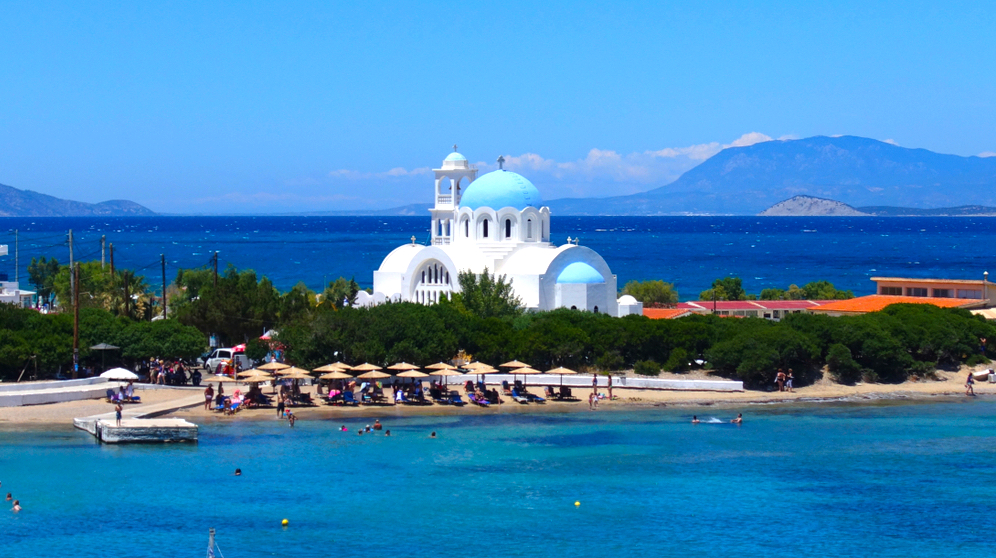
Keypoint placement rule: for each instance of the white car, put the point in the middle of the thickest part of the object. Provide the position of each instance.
(219, 356)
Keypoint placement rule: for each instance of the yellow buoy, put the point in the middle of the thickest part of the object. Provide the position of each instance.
(284, 522)
(576, 504)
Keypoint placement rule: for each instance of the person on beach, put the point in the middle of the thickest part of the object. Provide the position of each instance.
(788, 381)
(594, 383)
(780, 380)
(610, 387)
(17, 506)
(970, 384)
(695, 419)
(739, 419)
(280, 407)
(208, 397)
(117, 413)
(378, 425)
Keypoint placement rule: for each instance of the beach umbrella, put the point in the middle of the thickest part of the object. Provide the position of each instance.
(220, 379)
(443, 372)
(257, 378)
(273, 366)
(335, 375)
(103, 347)
(413, 374)
(374, 375)
(296, 375)
(366, 367)
(120, 374)
(255, 372)
(402, 366)
(561, 371)
(336, 367)
(292, 370)
(440, 366)
(514, 364)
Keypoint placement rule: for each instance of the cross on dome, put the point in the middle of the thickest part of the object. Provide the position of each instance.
(501, 162)
(454, 147)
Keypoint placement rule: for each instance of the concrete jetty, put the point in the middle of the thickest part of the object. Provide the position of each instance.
(139, 423)
(41, 393)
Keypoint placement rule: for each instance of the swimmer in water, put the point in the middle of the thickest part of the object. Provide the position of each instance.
(387, 432)
(433, 435)
(695, 419)
(343, 429)
(8, 496)
(739, 419)
(17, 506)
(238, 472)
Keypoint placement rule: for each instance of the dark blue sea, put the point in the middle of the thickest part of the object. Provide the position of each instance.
(687, 251)
(909, 480)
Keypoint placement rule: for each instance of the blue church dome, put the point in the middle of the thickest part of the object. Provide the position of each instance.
(499, 189)
(455, 157)
(580, 272)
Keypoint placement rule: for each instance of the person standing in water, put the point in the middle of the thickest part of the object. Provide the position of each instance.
(17, 506)
(695, 419)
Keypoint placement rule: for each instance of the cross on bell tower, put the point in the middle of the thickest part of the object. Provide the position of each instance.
(501, 163)
(454, 147)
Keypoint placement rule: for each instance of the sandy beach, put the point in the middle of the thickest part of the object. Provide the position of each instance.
(949, 384)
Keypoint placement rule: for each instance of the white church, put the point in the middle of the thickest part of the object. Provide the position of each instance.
(496, 222)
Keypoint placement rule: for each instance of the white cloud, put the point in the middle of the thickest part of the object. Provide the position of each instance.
(393, 173)
(987, 154)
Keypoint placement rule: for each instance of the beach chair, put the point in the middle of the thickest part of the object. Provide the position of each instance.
(334, 399)
(493, 397)
(111, 396)
(565, 394)
(518, 397)
(436, 395)
(549, 393)
(480, 402)
(455, 399)
(533, 398)
(348, 399)
(505, 389)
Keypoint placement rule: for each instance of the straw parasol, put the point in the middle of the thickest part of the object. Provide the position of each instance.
(257, 378)
(273, 366)
(335, 367)
(254, 372)
(296, 375)
(293, 370)
(374, 375)
(514, 364)
(220, 379)
(448, 371)
(561, 371)
(365, 367)
(527, 370)
(402, 366)
(441, 366)
(335, 375)
(412, 374)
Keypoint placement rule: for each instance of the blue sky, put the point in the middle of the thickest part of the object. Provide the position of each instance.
(231, 107)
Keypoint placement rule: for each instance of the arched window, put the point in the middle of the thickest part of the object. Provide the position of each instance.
(508, 228)
(423, 276)
(529, 229)
(447, 277)
(542, 230)
(574, 307)
(596, 309)
(440, 228)
(485, 228)
(466, 228)
(448, 224)
(436, 274)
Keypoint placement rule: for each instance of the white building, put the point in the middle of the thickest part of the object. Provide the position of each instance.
(496, 222)
(10, 291)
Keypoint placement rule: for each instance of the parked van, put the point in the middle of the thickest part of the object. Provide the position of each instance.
(220, 356)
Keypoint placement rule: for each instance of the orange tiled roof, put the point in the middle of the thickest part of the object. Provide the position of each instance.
(665, 313)
(874, 303)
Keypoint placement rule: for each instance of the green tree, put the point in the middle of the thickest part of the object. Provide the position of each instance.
(726, 288)
(842, 365)
(41, 273)
(239, 308)
(824, 290)
(339, 291)
(652, 293)
(99, 289)
(488, 296)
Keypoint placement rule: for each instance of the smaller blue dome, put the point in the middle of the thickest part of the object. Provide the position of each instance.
(580, 272)
(455, 157)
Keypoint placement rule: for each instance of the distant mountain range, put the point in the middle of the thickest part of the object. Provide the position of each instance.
(853, 170)
(818, 207)
(25, 203)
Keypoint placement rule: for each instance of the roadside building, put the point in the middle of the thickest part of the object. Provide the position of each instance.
(875, 303)
(936, 288)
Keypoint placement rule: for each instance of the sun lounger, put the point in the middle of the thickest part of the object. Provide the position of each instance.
(533, 398)
(455, 399)
(518, 397)
(348, 399)
(505, 389)
(565, 394)
(476, 401)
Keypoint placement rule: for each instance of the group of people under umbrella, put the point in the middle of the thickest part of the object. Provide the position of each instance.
(341, 382)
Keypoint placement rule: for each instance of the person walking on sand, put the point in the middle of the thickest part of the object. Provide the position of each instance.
(117, 413)
(788, 381)
(610, 387)
(970, 384)
(594, 383)
(208, 397)
(780, 379)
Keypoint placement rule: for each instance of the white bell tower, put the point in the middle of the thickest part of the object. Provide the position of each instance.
(451, 180)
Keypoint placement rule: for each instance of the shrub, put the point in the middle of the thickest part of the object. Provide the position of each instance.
(842, 365)
(922, 369)
(609, 361)
(677, 361)
(647, 368)
(975, 360)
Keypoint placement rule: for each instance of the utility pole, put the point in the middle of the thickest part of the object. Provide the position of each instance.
(124, 276)
(216, 270)
(72, 276)
(76, 323)
(103, 244)
(17, 274)
(112, 261)
(162, 259)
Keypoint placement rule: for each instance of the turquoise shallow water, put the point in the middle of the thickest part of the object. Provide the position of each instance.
(893, 480)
